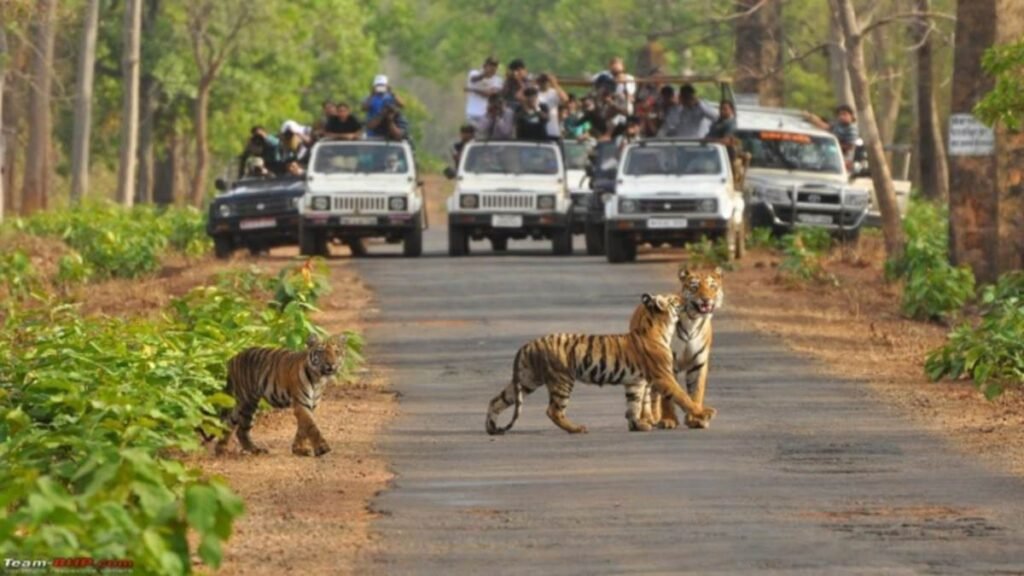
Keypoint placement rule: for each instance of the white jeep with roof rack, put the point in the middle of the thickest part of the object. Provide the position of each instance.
(359, 189)
(510, 190)
(671, 192)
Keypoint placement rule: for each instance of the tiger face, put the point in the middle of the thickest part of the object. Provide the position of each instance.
(701, 291)
(656, 312)
(325, 356)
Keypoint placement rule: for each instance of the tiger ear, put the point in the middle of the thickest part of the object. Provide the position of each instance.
(312, 340)
(684, 272)
(718, 271)
(653, 303)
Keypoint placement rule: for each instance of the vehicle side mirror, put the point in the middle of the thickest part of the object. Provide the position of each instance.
(220, 184)
(449, 173)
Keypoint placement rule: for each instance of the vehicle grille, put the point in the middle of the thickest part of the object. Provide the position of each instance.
(362, 204)
(265, 206)
(673, 205)
(507, 201)
(817, 198)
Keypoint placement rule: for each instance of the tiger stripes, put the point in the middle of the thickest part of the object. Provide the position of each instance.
(558, 361)
(285, 379)
(691, 346)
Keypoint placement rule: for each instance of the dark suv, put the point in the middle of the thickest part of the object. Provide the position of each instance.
(255, 213)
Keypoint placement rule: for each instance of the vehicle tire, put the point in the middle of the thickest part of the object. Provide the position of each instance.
(561, 242)
(256, 250)
(412, 245)
(312, 242)
(458, 241)
(223, 247)
(850, 237)
(499, 243)
(618, 248)
(593, 233)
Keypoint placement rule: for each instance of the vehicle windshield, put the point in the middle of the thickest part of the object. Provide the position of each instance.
(362, 158)
(511, 159)
(672, 161)
(792, 151)
(575, 155)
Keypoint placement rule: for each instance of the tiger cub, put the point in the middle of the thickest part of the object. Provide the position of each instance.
(284, 378)
(691, 346)
(558, 361)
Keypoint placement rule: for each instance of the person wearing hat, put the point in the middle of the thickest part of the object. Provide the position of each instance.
(532, 117)
(383, 111)
(296, 140)
(481, 85)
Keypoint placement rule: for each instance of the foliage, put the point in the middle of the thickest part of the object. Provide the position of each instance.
(1005, 103)
(110, 241)
(96, 408)
(933, 289)
(992, 351)
(708, 254)
(762, 237)
(802, 251)
(17, 274)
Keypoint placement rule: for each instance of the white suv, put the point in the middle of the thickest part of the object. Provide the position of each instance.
(672, 192)
(361, 189)
(509, 190)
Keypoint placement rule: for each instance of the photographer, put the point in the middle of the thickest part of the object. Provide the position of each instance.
(481, 85)
(532, 117)
(499, 123)
(383, 112)
(260, 145)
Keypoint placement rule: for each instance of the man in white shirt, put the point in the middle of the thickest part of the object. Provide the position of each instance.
(625, 84)
(481, 85)
(551, 95)
(691, 118)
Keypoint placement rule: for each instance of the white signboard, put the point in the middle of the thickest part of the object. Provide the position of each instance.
(968, 137)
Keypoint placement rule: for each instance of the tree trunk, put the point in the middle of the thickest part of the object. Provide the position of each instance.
(149, 92)
(931, 157)
(202, 105)
(758, 56)
(130, 109)
(3, 125)
(837, 69)
(891, 94)
(881, 176)
(83, 104)
(36, 156)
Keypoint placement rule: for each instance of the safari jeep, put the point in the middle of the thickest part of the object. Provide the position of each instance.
(797, 176)
(509, 190)
(577, 157)
(670, 192)
(361, 189)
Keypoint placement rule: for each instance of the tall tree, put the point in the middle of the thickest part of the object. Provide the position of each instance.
(214, 29)
(3, 127)
(83, 103)
(758, 55)
(34, 192)
(931, 156)
(149, 88)
(986, 216)
(130, 109)
(881, 176)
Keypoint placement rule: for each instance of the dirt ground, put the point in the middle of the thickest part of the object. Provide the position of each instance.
(856, 330)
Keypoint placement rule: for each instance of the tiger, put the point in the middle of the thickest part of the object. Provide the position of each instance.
(284, 378)
(691, 347)
(558, 361)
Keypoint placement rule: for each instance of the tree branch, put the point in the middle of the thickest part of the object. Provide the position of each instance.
(905, 16)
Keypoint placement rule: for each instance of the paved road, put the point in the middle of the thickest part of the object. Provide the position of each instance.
(800, 473)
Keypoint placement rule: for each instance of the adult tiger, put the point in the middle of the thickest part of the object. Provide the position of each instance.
(691, 347)
(284, 378)
(558, 361)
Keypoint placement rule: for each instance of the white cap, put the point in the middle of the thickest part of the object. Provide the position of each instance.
(380, 80)
(294, 127)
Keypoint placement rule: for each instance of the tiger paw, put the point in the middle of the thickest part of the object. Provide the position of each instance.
(580, 429)
(702, 420)
(640, 426)
(321, 450)
(257, 450)
(301, 451)
(668, 424)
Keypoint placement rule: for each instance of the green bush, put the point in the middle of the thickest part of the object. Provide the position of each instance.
(17, 274)
(96, 409)
(990, 352)
(933, 289)
(801, 260)
(762, 237)
(708, 254)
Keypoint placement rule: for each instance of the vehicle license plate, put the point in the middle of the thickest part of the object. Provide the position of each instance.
(659, 223)
(358, 220)
(507, 221)
(814, 218)
(257, 223)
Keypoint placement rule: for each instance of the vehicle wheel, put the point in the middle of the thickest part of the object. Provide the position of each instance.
(561, 242)
(312, 242)
(412, 245)
(619, 248)
(499, 244)
(593, 233)
(458, 241)
(357, 247)
(223, 246)
(849, 237)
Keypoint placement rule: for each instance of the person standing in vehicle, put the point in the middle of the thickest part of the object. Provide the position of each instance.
(844, 128)
(383, 111)
(532, 117)
(691, 118)
(625, 84)
(481, 85)
(499, 123)
(343, 125)
(551, 95)
(512, 92)
(466, 134)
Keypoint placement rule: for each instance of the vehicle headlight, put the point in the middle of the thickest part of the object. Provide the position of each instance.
(856, 198)
(707, 206)
(469, 201)
(546, 202)
(605, 197)
(773, 195)
(320, 203)
(225, 210)
(397, 203)
(627, 206)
